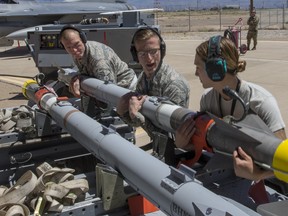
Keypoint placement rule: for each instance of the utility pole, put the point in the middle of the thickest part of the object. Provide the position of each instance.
(251, 6)
(156, 5)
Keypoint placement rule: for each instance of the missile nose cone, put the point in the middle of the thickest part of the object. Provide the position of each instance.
(22, 33)
(280, 161)
(17, 35)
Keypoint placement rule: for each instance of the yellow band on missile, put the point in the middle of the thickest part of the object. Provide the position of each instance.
(280, 161)
(27, 83)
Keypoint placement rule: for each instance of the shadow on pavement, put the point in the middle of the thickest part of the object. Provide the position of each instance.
(14, 96)
(15, 52)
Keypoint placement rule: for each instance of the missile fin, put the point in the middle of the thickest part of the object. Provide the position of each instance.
(254, 122)
(234, 132)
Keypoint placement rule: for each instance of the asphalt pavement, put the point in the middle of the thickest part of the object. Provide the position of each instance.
(266, 66)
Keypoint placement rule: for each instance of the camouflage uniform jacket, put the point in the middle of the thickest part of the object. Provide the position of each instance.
(253, 23)
(166, 83)
(101, 62)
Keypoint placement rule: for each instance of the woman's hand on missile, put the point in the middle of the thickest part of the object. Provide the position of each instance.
(135, 104)
(74, 86)
(245, 167)
(184, 134)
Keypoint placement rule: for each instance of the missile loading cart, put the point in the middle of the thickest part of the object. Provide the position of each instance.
(32, 141)
(58, 161)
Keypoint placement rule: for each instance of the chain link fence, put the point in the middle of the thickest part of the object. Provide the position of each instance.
(219, 20)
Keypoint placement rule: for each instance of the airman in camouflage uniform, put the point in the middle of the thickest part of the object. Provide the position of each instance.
(101, 62)
(167, 84)
(252, 30)
(157, 79)
(96, 60)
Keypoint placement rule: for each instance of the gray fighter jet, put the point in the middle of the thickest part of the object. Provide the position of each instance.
(19, 14)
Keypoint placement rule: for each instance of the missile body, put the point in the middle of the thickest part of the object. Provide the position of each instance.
(212, 133)
(162, 113)
(174, 191)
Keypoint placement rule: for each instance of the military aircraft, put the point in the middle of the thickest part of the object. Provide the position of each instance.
(145, 17)
(19, 14)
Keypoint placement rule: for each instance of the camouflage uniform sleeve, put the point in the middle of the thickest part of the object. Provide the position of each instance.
(257, 21)
(177, 89)
(114, 68)
(249, 20)
(178, 92)
(147, 125)
(253, 23)
(65, 75)
(136, 122)
(102, 70)
(104, 64)
(96, 62)
(126, 117)
(150, 128)
(124, 74)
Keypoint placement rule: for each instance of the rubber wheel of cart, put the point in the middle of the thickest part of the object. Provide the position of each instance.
(243, 48)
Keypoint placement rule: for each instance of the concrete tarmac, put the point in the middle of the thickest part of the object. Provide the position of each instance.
(266, 66)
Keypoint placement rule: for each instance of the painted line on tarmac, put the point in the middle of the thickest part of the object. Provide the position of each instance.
(13, 80)
(264, 60)
(202, 40)
(241, 57)
(180, 54)
(244, 58)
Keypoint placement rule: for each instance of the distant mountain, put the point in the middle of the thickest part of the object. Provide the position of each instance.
(169, 5)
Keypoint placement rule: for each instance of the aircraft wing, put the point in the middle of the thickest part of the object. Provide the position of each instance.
(26, 14)
(62, 8)
(140, 10)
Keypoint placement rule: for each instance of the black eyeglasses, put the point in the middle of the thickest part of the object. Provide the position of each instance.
(151, 52)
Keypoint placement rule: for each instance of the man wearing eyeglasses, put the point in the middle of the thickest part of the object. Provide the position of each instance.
(156, 79)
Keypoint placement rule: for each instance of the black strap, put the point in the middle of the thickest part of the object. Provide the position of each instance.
(147, 85)
(233, 102)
